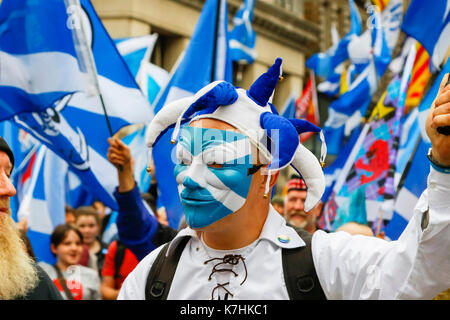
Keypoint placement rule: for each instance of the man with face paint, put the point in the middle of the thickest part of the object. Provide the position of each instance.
(235, 243)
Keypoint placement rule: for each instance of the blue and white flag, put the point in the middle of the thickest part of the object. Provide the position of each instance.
(428, 23)
(242, 37)
(324, 63)
(31, 45)
(408, 195)
(71, 122)
(289, 108)
(136, 51)
(198, 67)
(346, 113)
(360, 49)
(44, 201)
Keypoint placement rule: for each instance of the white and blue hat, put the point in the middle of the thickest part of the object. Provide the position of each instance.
(249, 111)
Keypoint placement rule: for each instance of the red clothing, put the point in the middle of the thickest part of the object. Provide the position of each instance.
(129, 263)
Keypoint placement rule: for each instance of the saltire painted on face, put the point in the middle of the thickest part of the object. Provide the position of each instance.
(212, 173)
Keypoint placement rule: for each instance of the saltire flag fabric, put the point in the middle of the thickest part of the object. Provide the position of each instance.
(24, 59)
(44, 201)
(333, 170)
(307, 106)
(324, 63)
(242, 36)
(70, 122)
(428, 23)
(366, 186)
(136, 50)
(345, 113)
(206, 59)
(338, 83)
(288, 110)
(390, 20)
(408, 195)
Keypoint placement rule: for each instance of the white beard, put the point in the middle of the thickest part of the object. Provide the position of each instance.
(18, 274)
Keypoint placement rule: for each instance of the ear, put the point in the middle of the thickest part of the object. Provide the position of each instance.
(53, 248)
(273, 177)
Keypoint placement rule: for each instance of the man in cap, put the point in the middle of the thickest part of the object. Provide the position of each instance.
(236, 239)
(294, 206)
(21, 277)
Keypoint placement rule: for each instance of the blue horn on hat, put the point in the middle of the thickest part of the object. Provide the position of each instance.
(263, 87)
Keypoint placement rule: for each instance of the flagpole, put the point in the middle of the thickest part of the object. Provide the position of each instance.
(216, 31)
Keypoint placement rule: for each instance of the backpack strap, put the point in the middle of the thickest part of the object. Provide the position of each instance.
(300, 274)
(118, 258)
(163, 270)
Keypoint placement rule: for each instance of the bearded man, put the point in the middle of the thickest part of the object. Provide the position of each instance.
(20, 276)
(294, 206)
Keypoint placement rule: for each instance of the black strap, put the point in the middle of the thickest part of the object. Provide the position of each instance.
(300, 274)
(62, 282)
(118, 258)
(163, 270)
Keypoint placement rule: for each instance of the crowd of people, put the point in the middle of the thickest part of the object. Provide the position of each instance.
(248, 239)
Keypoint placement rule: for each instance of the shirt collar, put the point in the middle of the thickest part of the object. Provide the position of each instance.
(274, 230)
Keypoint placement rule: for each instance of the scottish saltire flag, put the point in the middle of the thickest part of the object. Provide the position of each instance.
(324, 63)
(428, 23)
(288, 110)
(366, 188)
(333, 171)
(136, 50)
(409, 193)
(206, 59)
(390, 20)
(339, 82)
(152, 79)
(345, 113)
(72, 123)
(242, 36)
(77, 194)
(25, 59)
(44, 201)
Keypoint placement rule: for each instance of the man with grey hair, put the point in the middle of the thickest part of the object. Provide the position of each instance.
(20, 276)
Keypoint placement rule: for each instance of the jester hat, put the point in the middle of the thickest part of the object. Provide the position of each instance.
(252, 114)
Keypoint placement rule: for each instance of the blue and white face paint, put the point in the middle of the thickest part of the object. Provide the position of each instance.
(212, 173)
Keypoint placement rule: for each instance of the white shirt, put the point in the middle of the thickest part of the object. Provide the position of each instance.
(416, 266)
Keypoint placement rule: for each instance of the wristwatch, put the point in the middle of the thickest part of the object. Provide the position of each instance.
(437, 166)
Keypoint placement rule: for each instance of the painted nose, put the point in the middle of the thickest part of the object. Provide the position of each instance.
(188, 182)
